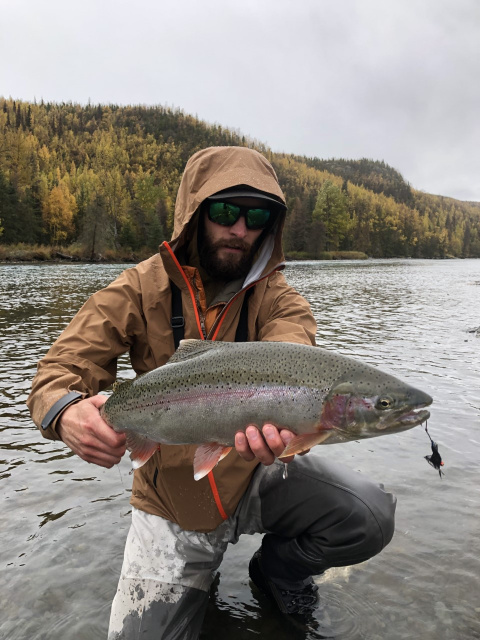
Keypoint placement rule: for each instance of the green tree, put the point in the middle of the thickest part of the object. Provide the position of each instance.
(128, 236)
(148, 198)
(95, 229)
(467, 238)
(295, 233)
(116, 201)
(332, 213)
(9, 205)
(155, 235)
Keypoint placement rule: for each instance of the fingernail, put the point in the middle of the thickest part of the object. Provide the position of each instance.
(252, 433)
(268, 432)
(240, 438)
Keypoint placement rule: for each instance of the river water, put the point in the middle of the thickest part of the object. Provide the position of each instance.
(63, 523)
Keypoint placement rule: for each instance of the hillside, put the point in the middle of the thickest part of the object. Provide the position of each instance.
(101, 176)
(374, 175)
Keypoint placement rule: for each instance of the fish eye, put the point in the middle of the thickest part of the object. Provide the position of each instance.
(384, 402)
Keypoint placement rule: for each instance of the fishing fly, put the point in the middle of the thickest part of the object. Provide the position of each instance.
(435, 459)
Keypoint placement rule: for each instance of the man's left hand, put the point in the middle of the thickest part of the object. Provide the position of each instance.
(266, 446)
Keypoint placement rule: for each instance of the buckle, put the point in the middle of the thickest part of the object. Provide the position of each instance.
(177, 322)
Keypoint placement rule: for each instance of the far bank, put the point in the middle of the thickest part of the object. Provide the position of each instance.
(23, 252)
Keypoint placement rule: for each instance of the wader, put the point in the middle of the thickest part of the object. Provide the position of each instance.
(322, 515)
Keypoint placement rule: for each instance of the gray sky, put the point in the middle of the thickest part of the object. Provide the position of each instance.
(393, 80)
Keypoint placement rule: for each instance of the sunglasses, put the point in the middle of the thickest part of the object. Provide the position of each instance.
(227, 214)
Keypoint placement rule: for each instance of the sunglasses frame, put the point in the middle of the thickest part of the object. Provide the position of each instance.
(243, 211)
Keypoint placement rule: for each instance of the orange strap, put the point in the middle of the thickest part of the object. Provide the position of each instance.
(187, 282)
(211, 479)
(216, 496)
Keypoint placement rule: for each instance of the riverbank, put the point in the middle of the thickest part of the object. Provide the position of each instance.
(44, 253)
(326, 255)
(75, 253)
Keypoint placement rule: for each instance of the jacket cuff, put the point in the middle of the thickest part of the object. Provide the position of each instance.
(59, 406)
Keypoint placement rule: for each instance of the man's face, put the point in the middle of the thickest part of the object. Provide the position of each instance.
(227, 252)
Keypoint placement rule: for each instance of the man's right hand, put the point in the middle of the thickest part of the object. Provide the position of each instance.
(83, 430)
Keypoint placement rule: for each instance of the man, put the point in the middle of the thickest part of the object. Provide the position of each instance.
(223, 262)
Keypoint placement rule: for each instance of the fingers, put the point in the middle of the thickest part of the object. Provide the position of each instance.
(251, 445)
(100, 458)
(84, 431)
(97, 401)
(275, 439)
(286, 436)
(265, 446)
(107, 436)
(242, 446)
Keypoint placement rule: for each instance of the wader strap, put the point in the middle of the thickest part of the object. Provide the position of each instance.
(178, 321)
(242, 328)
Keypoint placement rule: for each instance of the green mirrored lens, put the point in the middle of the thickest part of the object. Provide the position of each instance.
(224, 213)
(257, 218)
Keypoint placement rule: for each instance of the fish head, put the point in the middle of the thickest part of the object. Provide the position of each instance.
(369, 407)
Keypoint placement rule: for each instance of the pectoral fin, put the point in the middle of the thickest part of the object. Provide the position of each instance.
(141, 448)
(207, 456)
(302, 443)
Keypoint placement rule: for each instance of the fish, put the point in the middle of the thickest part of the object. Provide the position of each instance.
(209, 390)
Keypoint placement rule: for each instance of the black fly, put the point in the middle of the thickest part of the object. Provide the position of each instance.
(435, 459)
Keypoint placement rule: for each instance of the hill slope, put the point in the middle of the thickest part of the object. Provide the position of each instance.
(106, 176)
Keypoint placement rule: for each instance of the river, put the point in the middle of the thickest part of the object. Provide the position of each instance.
(63, 522)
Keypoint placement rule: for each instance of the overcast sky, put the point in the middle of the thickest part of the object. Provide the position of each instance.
(392, 80)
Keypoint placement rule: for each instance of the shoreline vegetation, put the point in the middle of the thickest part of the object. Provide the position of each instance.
(76, 254)
(33, 254)
(99, 182)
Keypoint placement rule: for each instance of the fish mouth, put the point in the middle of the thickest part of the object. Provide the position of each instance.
(405, 420)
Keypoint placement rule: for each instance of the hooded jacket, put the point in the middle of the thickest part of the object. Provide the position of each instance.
(133, 314)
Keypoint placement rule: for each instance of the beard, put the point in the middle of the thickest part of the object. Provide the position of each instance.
(233, 266)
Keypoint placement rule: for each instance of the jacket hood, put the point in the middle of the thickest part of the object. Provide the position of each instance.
(217, 168)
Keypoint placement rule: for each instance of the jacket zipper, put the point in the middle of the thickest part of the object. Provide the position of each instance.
(216, 325)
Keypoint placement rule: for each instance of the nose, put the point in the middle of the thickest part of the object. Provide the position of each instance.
(239, 229)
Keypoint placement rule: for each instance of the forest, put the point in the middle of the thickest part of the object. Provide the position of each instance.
(99, 181)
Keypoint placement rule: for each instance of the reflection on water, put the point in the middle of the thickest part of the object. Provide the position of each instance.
(63, 523)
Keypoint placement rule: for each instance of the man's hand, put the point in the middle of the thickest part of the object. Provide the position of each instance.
(82, 429)
(266, 448)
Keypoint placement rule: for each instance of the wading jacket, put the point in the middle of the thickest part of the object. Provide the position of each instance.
(134, 314)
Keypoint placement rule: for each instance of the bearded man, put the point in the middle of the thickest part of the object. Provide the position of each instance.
(218, 279)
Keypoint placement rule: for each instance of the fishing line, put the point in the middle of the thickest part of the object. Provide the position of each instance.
(120, 474)
(435, 459)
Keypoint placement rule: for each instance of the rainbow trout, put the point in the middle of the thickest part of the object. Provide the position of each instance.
(208, 391)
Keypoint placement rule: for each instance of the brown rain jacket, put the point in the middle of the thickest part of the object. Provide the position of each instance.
(134, 314)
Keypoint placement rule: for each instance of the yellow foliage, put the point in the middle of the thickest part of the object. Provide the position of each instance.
(58, 211)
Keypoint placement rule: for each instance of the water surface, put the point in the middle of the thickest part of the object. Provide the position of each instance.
(63, 522)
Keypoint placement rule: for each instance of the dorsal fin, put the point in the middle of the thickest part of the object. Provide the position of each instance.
(117, 385)
(191, 348)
